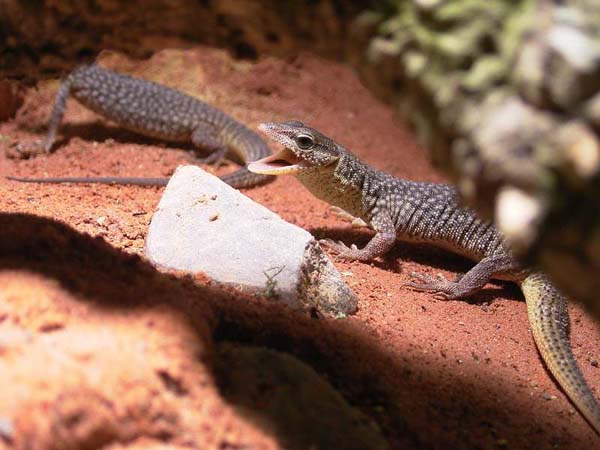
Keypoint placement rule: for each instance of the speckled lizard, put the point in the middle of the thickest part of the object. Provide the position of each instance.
(157, 111)
(428, 213)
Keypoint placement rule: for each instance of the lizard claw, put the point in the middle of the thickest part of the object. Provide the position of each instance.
(337, 246)
(440, 286)
(342, 250)
(25, 150)
(356, 222)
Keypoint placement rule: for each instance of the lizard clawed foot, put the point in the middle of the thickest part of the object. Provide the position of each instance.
(342, 250)
(440, 286)
(25, 150)
(356, 222)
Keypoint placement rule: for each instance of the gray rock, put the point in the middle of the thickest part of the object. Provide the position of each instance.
(204, 225)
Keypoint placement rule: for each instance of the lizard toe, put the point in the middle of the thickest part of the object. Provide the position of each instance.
(440, 286)
(25, 150)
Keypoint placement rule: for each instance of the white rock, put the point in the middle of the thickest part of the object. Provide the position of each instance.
(204, 225)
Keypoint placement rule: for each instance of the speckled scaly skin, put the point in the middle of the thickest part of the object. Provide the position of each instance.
(429, 213)
(158, 111)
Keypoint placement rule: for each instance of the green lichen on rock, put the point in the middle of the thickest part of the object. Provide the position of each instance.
(441, 56)
(506, 96)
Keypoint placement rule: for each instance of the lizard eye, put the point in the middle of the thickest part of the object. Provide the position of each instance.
(305, 142)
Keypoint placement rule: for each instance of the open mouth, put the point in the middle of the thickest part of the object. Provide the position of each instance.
(284, 162)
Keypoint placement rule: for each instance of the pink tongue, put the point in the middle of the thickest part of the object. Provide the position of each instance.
(279, 163)
(282, 158)
(260, 167)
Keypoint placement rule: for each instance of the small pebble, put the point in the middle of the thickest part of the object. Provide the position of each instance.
(502, 443)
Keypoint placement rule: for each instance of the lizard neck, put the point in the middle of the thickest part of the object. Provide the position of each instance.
(339, 184)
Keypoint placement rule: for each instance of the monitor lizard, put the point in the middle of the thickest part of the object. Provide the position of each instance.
(428, 213)
(153, 110)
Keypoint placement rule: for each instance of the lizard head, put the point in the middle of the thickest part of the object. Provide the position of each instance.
(303, 148)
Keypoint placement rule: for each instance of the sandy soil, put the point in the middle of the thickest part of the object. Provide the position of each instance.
(97, 349)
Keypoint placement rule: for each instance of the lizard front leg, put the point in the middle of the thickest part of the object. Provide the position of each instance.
(380, 244)
(29, 149)
(471, 282)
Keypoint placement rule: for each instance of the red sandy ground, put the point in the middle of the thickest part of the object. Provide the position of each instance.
(85, 328)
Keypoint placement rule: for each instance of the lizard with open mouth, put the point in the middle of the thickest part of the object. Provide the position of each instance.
(431, 213)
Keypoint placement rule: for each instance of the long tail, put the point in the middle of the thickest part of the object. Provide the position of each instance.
(238, 179)
(96, 180)
(549, 321)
